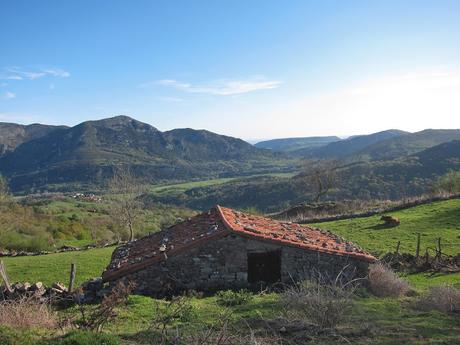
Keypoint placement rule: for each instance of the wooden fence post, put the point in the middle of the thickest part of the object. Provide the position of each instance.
(397, 247)
(417, 252)
(5, 277)
(439, 246)
(73, 271)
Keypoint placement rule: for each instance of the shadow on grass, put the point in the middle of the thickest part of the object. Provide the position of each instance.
(382, 226)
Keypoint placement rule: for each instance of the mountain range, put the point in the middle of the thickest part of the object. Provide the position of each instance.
(384, 145)
(12, 135)
(295, 144)
(41, 157)
(86, 154)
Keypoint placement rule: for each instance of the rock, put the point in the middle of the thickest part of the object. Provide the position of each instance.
(54, 291)
(38, 289)
(94, 284)
(37, 286)
(59, 286)
(17, 286)
(24, 287)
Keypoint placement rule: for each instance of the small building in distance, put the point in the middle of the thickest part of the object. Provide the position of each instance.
(227, 249)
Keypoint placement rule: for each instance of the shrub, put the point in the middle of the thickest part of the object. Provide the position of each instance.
(97, 318)
(166, 313)
(326, 305)
(230, 298)
(384, 282)
(84, 338)
(444, 298)
(27, 313)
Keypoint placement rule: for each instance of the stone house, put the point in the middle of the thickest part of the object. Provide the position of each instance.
(227, 249)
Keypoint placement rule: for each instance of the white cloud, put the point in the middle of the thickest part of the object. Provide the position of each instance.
(17, 73)
(222, 87)
(8, 95)
(57, 72)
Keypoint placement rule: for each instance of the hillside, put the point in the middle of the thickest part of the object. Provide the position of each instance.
(396, 320)
(292, 144)
(12, 135)
(352, 145)
(438, 219)
(407, 144)
(393, 179)
(85, 155)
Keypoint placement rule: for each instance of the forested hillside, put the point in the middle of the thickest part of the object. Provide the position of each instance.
(86, 155)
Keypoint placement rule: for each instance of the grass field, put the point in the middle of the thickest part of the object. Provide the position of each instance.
(204, 183)
(432, 220)
(439, 219)
(372, 320)
(56, 267)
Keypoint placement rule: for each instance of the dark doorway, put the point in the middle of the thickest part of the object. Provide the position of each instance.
(264, 267)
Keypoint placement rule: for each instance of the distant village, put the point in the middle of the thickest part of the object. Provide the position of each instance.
(87, 197)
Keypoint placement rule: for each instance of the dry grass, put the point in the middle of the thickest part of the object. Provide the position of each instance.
(385, 283)
(444, 298)
(27, 313)
(326, 305)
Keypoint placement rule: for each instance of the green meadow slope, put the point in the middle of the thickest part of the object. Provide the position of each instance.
(438, 219)
(392, 321)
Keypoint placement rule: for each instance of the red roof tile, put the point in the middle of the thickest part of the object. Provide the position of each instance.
(291, 234)
(216, 223)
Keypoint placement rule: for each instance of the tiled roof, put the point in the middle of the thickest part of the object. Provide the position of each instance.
(291, 234)
(216, 223)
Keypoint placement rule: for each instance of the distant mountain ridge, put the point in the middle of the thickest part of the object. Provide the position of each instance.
(292, 144)
(384, 145)
(408, 144)
(40, 157)
(88, 153)
(12, 135)
(352, 145)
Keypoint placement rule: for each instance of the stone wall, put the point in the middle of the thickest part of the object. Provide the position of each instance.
(222, 264)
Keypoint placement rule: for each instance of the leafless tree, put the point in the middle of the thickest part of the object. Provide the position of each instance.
(322, 175)
(125, 190)
(4, 190)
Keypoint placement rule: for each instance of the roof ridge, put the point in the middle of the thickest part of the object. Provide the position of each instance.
(222, 217)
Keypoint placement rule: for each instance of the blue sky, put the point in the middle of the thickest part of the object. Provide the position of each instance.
(251, 69)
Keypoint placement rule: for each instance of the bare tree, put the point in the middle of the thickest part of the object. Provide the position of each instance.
(125, 190)
(322, 175)
(4, 190)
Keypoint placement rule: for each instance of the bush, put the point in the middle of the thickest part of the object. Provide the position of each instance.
(27, 313)
(444, 298)
(449, 183)
(231, 298)
(97, 318)
(84, 338)
(326, 305)
(166, 314)
(384, 282)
